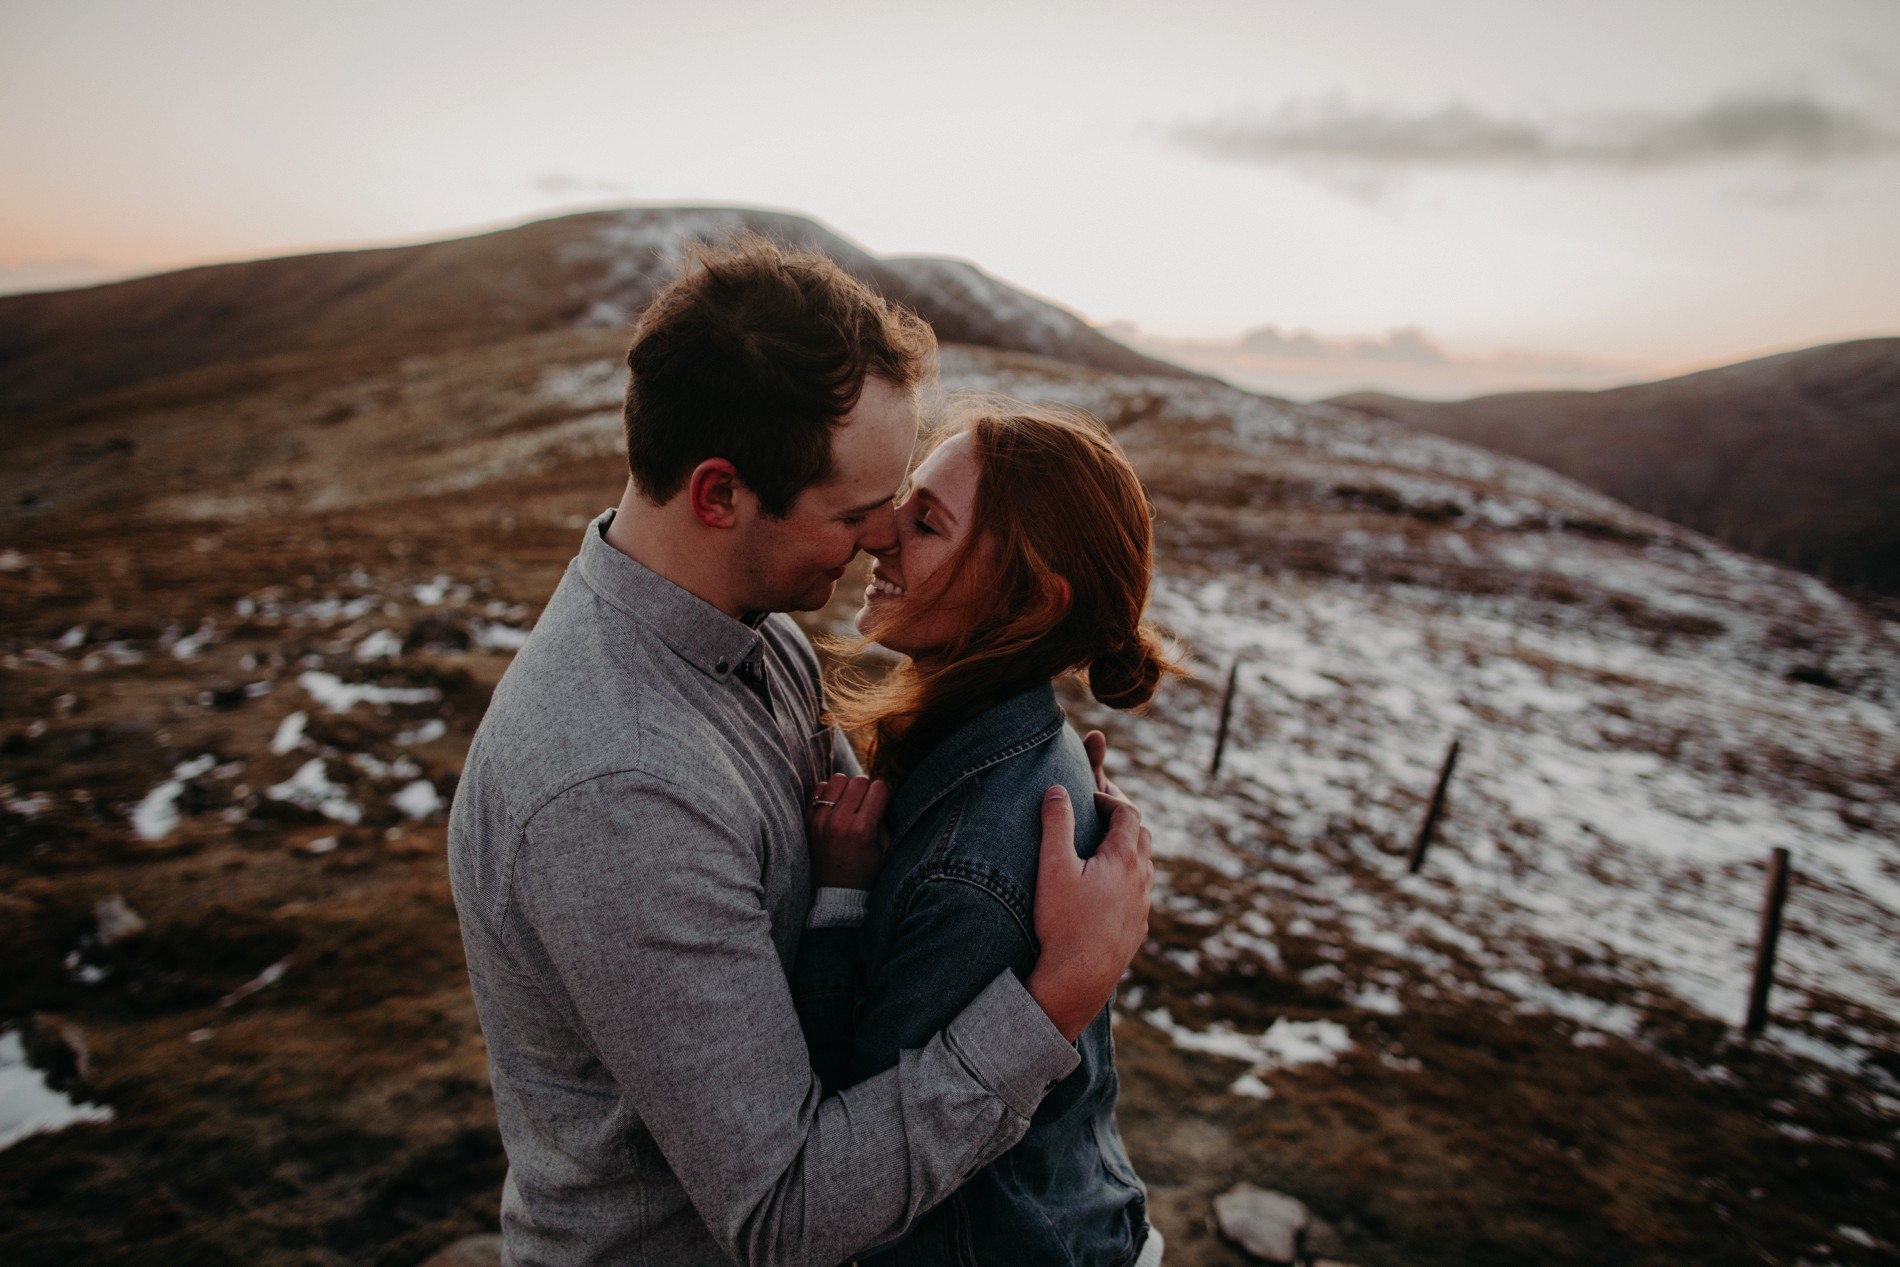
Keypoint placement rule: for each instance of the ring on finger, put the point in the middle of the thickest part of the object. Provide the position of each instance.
(816, 801)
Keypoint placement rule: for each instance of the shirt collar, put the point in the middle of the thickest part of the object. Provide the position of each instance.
(1018, 724)
(695, 630)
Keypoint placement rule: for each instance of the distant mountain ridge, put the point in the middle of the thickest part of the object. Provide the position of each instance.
(592, 269)
(1794, 456)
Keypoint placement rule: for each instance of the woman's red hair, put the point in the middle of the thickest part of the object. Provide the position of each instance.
(1063, 548)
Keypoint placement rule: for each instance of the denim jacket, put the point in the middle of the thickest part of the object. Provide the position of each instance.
(953, 906)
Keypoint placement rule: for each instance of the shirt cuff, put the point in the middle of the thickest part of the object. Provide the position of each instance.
(1011, 1045)
(839, 908)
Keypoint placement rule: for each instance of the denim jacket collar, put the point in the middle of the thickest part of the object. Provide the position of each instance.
(996, 734)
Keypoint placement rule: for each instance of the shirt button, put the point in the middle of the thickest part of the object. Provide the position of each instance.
(720, 667)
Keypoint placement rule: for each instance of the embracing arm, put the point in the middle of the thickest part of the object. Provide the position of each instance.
(844, 826)
(826, 982)
(945, 950)
(667, 958)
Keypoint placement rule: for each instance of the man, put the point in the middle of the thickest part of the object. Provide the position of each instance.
(627, 843)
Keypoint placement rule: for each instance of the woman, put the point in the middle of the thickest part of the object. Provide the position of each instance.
(1022, 553)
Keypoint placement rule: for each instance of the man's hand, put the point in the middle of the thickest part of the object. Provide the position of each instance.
(1095, 743)
(1091, 917)
(844, 824)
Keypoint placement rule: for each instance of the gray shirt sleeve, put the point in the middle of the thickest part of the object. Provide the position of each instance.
(652, 912)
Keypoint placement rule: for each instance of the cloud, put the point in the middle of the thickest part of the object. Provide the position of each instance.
(1407, 345)
(1308, 366)
(1780, 128)
(567, 185)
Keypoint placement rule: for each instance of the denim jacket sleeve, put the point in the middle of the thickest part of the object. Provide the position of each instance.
(826, 982)
(949, 944)
(826, 986)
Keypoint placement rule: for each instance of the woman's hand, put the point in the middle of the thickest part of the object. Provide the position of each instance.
(844, 823)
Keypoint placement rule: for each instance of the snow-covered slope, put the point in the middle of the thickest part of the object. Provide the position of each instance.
(1644, 715)
(629, 254)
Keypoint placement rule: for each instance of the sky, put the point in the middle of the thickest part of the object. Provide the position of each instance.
(1434, 197)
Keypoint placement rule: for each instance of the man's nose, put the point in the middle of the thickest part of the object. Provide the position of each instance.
(879, 534)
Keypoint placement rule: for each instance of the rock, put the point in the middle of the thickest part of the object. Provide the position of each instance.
(1323, 1243)
(1268, 1225)
(115, 920)
(436, 633)
(470, 1251)
(59, 1050)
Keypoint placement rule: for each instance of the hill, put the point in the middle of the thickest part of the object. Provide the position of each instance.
(583, 271)
(253, 611)
(1795, 457)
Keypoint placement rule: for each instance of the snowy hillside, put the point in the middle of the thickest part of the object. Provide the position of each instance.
(256, 609)
(1644, 715)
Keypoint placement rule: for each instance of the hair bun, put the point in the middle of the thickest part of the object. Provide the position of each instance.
(1127, 677)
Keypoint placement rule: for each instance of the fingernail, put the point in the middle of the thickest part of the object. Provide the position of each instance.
(1057, 793)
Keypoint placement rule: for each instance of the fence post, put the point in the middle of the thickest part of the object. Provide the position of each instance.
(1416, 858)
(1226, 711)
(1775, 895)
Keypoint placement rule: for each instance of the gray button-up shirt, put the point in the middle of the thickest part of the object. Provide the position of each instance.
(627, 849)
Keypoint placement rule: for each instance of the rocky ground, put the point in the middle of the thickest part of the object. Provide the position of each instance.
(235, 708)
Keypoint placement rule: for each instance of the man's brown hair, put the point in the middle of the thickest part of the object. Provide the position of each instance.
(754, 354)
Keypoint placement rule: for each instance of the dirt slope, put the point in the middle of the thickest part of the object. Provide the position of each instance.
(314, 578)
(596, 269)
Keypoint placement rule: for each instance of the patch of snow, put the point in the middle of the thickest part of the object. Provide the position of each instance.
(262, 981)
(113, 920)
(427, 732)
(310, 788)
(1284, 1044)
(28, 807)
(1384, 1002)
(377, 768)
(590, 385)
(418, 799)
(289, 734)
(27, 1105)
(193, 644)
(1250, 1085)
(500, 637)
(83, 972)
(157, 816)
(384, 644)
(339, 696)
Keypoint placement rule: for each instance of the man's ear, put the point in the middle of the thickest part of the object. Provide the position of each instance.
(714, 490)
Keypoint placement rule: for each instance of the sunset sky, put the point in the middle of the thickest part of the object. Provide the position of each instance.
(1526, 192)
